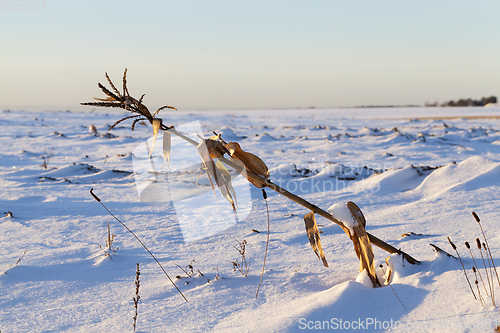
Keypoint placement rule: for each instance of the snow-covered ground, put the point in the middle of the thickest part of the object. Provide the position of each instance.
(423, 176)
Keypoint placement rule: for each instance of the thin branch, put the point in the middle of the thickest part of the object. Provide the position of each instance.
(123, 224)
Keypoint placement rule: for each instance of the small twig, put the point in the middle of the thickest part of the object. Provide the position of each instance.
(123, 224)
(189, 275)
(455, 248)
(491, 273)
(264, 194)
(480, 276)
(137, 297)
(389, 283)
(478, 242)
(477, 285)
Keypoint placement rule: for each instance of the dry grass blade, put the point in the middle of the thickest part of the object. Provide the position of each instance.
(226, 187)
(313, 235)
(217, 172)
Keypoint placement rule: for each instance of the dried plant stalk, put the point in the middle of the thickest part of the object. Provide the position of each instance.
(460, 258)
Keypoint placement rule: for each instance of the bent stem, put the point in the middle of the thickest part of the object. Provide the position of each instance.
(144, 246)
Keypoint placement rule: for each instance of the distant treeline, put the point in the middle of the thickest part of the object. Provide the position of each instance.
(467, 102)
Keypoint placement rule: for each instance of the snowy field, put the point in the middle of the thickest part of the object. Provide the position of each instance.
(408, 172)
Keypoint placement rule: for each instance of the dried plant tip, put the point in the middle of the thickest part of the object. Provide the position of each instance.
(264, 194)
(478, 242)
(452, 245)
(467, 245)
(476, 217)
(474, 270)
(95, 196)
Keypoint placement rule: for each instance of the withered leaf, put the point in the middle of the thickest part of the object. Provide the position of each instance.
(218, 173)
(251, 162)
(362, 244)
(215, 148)
(313, 235)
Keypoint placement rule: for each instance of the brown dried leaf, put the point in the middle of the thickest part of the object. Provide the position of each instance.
(313, 235)
(215, 148)
(357, 213)
(218, 172)
(251, 162)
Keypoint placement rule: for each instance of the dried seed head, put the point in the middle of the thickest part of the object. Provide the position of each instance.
(476, 282)
(476, 217)
(452, 245)
(484, 245)
(467, 245)
(474, 269)
(478, 242)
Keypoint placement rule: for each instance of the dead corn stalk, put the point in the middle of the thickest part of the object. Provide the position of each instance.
(248, 165)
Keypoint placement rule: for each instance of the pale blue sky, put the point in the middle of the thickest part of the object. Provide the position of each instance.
(251, 54)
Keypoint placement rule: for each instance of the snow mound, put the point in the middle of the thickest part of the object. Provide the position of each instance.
(454, 174)
(341, 212)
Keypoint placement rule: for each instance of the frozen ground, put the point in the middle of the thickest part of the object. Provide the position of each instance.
(424, 176)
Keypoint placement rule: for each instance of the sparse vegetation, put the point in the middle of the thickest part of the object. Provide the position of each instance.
(46, 157)
(17, 262)
(489, 269)
(109, 244)
(241, 265)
